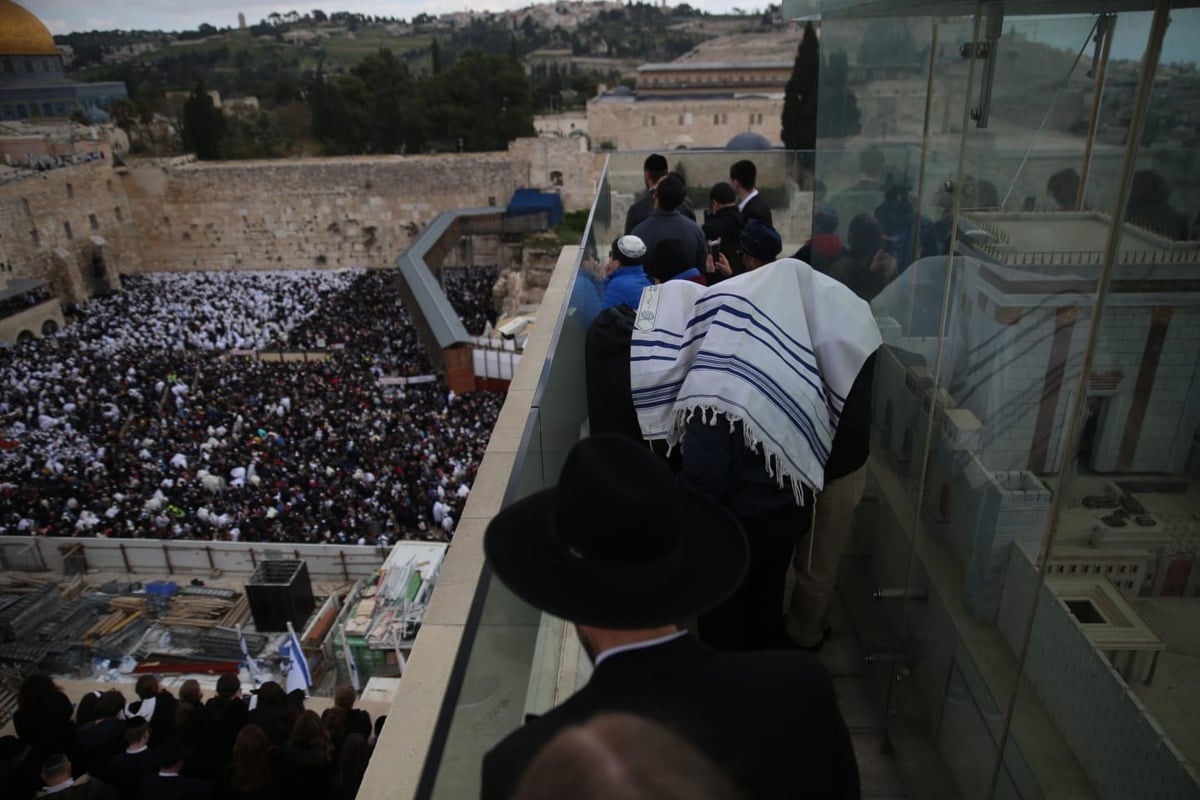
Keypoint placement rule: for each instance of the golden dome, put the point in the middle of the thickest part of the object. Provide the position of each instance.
(23, 34)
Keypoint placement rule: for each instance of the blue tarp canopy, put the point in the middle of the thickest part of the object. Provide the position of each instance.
(533, 201)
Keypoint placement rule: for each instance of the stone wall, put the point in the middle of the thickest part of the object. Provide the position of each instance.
(335, 213)
(50, 223)
(562, 164)
(82, 226)
(667, 124)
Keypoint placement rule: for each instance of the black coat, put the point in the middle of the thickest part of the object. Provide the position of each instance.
(758, 209)
(726, 224)
(156, 787)
(769, 719)
(640, 210)
(129, 770)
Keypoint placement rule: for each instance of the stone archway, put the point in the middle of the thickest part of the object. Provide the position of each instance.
(24, 336)
(49, 328)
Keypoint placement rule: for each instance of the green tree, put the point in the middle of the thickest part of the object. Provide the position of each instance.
(435, 57)
(840, 115)
(800, 95)
(479, 88)
(203, 124)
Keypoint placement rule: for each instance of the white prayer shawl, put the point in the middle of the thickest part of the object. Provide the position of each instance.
(777, 349)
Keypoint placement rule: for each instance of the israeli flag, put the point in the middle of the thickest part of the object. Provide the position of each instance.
(250, 663)
(298, 676)
(351, 664)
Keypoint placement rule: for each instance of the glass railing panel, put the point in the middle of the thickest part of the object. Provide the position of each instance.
(499, 650)
(1103, 609)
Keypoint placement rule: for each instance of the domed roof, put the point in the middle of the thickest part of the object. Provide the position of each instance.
(23, 34)
(743, 141)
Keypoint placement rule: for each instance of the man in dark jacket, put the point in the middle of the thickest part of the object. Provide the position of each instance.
(130, 768)
(724, 224)
(654, 169)
(743, 176)
(666, 222)
(617, 548)
(157, 706)
(103, 737)
(168, 783)
(56, 775)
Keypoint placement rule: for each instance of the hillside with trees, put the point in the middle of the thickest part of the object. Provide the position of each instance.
(343, 83)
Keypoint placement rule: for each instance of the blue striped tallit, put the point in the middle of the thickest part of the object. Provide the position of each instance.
(777, 349)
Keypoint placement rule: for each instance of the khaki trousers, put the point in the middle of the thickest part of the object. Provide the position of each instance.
(816, 559)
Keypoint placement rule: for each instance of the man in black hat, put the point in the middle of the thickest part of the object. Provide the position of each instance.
(621, 551)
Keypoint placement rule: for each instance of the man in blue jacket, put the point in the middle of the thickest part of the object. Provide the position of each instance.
(626, 276)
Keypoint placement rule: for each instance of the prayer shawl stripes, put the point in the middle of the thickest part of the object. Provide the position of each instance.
(777, 349)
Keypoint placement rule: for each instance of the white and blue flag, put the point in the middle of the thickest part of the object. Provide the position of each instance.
(298, 676)
(250, 664)
(351, 664)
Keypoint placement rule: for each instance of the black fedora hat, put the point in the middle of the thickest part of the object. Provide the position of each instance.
(617, 544)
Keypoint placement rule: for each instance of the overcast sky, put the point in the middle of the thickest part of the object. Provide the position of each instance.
(65, 16)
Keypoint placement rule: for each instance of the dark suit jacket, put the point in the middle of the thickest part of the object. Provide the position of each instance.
(156, 787)
(726, 225)
(757, 208)
(769, 719)
(640, 210)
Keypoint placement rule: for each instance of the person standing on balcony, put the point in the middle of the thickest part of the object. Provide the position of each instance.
(667, 222)
(629, 557)
(626, 276)
(743, 176)
(723, 224)
(654, 169)
(749, 379)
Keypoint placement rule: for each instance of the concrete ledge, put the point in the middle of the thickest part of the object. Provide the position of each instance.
(399, 758)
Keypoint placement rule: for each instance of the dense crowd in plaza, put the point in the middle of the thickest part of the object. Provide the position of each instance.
(151, 417)
(156, 746)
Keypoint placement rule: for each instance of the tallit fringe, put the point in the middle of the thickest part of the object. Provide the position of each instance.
(773, 462)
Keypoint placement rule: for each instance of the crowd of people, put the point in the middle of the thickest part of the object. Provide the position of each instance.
(159, 746)
(469, 290)
(20, 302)
(151, 416)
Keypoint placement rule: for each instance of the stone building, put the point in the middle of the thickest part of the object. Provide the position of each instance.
(690, 103)
(32, 83)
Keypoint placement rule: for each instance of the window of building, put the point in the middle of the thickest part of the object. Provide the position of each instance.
(33, 237)
(688, 118)
(25, 207)
(70, 191)
(117, 212)
(556, 178)
(653, 120)
(92, 221)
(67, 229)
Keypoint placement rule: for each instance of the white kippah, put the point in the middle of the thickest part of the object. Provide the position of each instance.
(631, 246)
